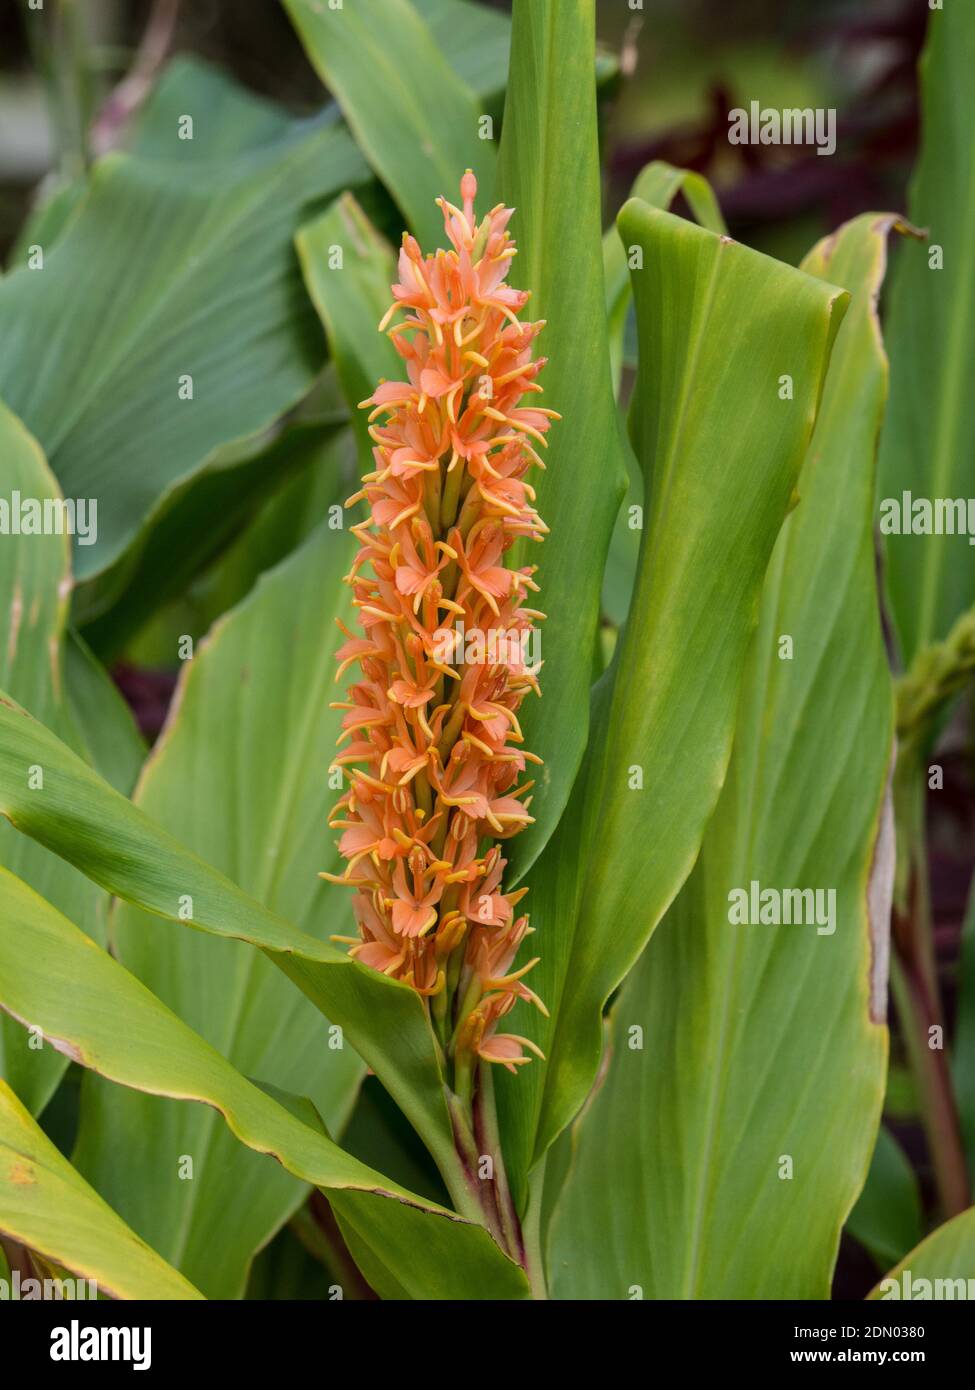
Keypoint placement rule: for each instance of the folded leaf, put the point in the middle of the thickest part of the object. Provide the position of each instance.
(733, 353)
(658, 184)
(725, 1149)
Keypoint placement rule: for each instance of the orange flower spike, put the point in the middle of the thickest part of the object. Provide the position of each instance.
(433, 763)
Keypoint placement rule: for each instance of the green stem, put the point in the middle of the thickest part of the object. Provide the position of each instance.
(531, 1230)
(451, 496)
(459, 1172)
(939, 1115)
(489, 1136)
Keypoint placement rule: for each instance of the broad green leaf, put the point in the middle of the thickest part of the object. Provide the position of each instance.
(82, 819)
(89, 1006)
(48, 220)
(658, 184)
(348, 269)
(943, 1260)
(720, 326)
(549, 172)
(229, 122)
(926, 449)
(414, 119)
(887, 1217)
(34, 583)
(732, 1135)
(97, 344)
(253, 736)
(233, 126)
(45, 1205)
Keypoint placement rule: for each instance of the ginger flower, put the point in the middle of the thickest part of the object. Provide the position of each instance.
(431, 745)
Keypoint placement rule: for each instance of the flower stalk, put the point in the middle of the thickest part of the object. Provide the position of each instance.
(431, 748)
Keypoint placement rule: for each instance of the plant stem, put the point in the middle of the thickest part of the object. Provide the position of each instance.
(489, 1136)
(914, 986)
(465, 1188)
(532, 1233)
(918, 1014)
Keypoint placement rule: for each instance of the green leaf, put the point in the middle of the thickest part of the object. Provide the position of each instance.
(115, 746)
(86, 822)
(414, 119)
(474, 40)
(258, 812)
(719, 326)
(657, 184)
(930, 331)
(35, 582)
(758, 1044)
(550, 174)
(194, 527)
(47, 220)
(351, 295)
(325, 476)
(46, 1206)
(92, 1008)
(96, 343)
(946, 1256)
(229, 122)
(887, 1217)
